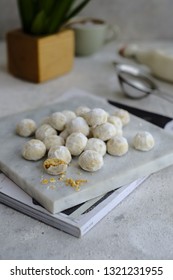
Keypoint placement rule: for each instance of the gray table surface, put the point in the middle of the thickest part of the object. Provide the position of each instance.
(140, 227)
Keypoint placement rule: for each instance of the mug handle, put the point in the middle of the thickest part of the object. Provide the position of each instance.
(112, 32)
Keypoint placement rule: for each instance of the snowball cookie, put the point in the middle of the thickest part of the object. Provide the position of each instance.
(115, 121)
(97, 145)
(54, 166)
(70, 115)
(90, 160)
(76, 143)
(96, 116)
(81, 111)
(117, 146)
(64, 134)
(57, 120)
(60, 152)
(53, 140)
(143, 141)
(43, 131)
(123, 115)
(44, 121)
(26, 127)
(78, 124)
(104, 131)
(90, 135)
(33, 150)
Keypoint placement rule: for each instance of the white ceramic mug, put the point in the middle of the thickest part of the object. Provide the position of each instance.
(91, 34)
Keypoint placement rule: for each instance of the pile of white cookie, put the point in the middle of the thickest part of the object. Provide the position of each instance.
(86, 133)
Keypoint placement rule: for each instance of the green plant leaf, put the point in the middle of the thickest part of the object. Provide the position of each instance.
(77, 9)
(57, 18)
(38, 26)
(48, 5)
(40, 17)
(27, 11)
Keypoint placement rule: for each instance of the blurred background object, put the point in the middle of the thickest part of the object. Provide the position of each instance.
(91, 34)
(138, 19)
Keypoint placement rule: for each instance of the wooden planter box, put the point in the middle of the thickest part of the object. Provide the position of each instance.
(38, 59)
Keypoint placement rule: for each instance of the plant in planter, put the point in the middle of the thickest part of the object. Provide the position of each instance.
(44, 47)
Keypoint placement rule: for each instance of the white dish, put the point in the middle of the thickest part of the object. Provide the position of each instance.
(116, 172)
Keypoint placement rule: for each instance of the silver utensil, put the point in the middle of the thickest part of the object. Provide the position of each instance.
(137, 84)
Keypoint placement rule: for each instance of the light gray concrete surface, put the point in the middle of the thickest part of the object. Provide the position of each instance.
(138, 19)
(139, 228)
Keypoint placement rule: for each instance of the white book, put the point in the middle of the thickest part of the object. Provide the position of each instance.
(77, 220)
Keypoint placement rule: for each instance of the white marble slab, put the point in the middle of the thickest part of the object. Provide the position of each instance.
(117, 171)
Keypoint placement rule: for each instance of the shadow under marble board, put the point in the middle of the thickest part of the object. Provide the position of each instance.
(116, 172)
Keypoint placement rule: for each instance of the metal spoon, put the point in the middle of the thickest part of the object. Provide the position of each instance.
(137, 84)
